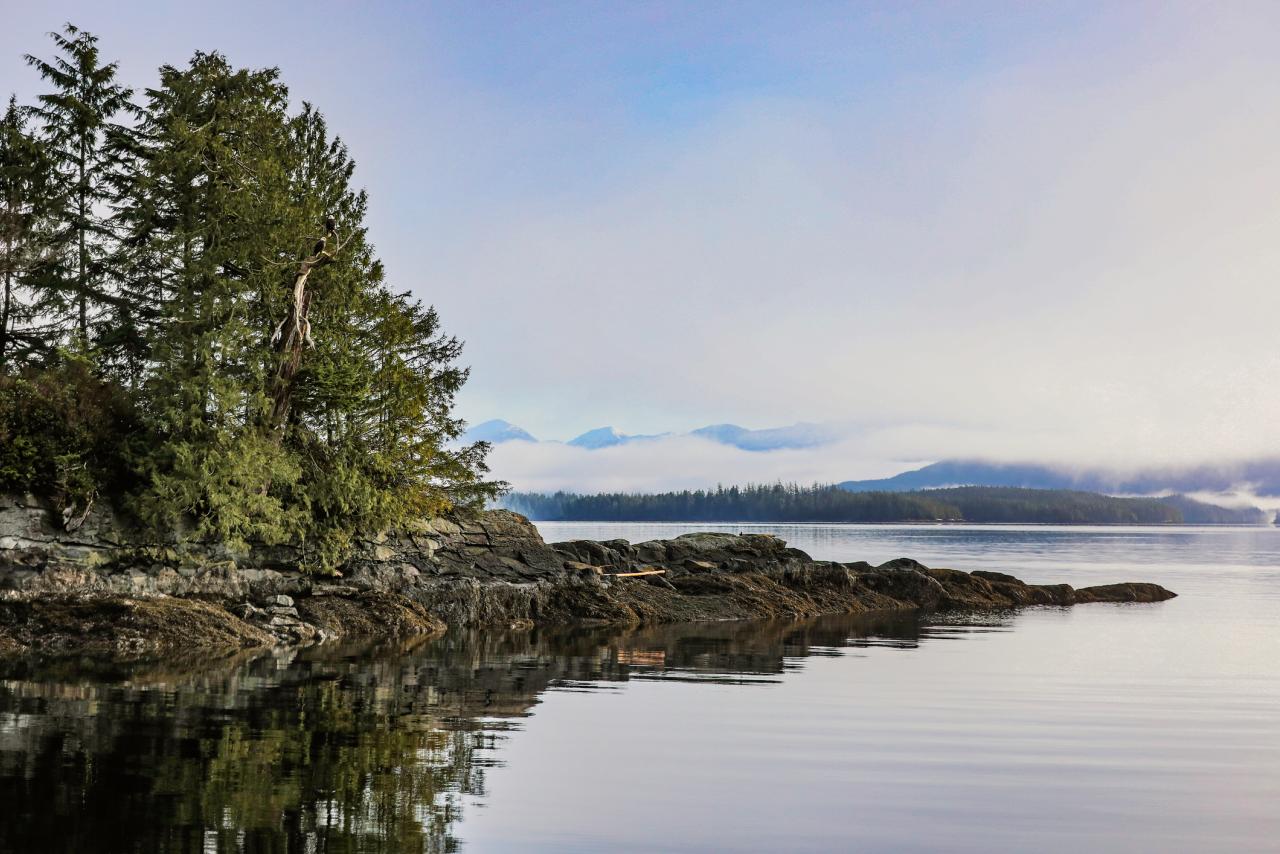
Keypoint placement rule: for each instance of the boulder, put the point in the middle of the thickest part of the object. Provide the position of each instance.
(1124, 592)
(905, 585)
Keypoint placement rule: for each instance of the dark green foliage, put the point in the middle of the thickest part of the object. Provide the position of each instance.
(206, 201)
(173, 245)
(1198, 513)
(1007, 504)
(78, 120)
(791, 503)
(64, 433)
(766, 503)
(27, 188)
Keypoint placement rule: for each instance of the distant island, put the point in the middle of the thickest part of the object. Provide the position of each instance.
(834, 504)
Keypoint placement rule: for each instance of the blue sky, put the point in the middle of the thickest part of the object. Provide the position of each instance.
(1006, 229)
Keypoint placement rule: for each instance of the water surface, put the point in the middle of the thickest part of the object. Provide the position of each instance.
(1101, 727)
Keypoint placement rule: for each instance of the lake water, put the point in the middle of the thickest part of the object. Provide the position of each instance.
(1095, 728)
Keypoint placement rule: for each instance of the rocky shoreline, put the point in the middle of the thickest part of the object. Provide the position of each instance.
(99, 590)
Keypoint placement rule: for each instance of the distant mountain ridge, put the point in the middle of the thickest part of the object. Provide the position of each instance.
(1261, 477)
(608, 437)
(794, 436)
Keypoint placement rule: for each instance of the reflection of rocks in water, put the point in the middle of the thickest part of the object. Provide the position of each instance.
(329, 748)
(730, 651)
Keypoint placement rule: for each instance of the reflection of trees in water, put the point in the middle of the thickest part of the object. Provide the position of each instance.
(271, 756)
(329, 749)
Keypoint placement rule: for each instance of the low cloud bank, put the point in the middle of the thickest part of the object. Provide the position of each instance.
(680, 462)
(692, 462)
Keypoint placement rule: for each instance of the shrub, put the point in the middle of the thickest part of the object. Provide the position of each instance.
(64, 434)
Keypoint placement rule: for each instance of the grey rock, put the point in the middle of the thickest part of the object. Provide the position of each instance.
(996, 576)
(907, 585)
(902, 563)
(487, 569)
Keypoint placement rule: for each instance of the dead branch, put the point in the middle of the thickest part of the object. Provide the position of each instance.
(293, 334)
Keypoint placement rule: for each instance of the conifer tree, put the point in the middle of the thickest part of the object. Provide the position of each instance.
(373, 397)
(207, 201)
(25, 175)
(78, 117)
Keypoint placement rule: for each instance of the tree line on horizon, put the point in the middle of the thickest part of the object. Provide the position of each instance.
(780, 502)
(150, 243)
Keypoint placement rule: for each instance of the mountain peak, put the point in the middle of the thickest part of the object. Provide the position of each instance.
(607, 437)
(600, 437)
(496, 431)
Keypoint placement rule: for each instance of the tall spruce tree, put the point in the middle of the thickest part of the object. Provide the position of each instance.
(207, 202)
(370, 407)
(25, 187)
(78, 118)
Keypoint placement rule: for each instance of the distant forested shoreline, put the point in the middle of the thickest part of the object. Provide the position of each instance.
(821, 503)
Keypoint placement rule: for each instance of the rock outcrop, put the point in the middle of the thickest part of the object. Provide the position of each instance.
(103, 587)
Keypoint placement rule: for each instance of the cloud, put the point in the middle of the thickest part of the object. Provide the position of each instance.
(1040, 232)
(1071, 256)
(681, 462)
(866, 451)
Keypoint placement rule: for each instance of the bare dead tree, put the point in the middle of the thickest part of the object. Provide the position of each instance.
(293, 334)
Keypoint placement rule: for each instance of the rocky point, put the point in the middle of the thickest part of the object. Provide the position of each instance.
(105, 588)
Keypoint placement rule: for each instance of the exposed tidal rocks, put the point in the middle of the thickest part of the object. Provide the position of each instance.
(103, 590)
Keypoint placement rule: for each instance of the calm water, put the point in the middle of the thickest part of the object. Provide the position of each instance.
(1099, 728)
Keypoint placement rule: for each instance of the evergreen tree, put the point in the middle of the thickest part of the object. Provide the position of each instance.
(25, 178)
(78, 117)
(373, 396)
(206, 202)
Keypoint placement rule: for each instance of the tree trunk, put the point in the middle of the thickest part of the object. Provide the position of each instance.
(10, 228)
(294, 332)
(11, 241)
(5, 307)
(83, 258)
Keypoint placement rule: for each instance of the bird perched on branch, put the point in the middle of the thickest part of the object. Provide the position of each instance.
(330, 228)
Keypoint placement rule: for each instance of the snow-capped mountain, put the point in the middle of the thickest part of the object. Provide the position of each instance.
(496, 431)
(802, 435)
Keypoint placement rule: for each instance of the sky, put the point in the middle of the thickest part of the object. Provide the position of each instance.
(1022, 231)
